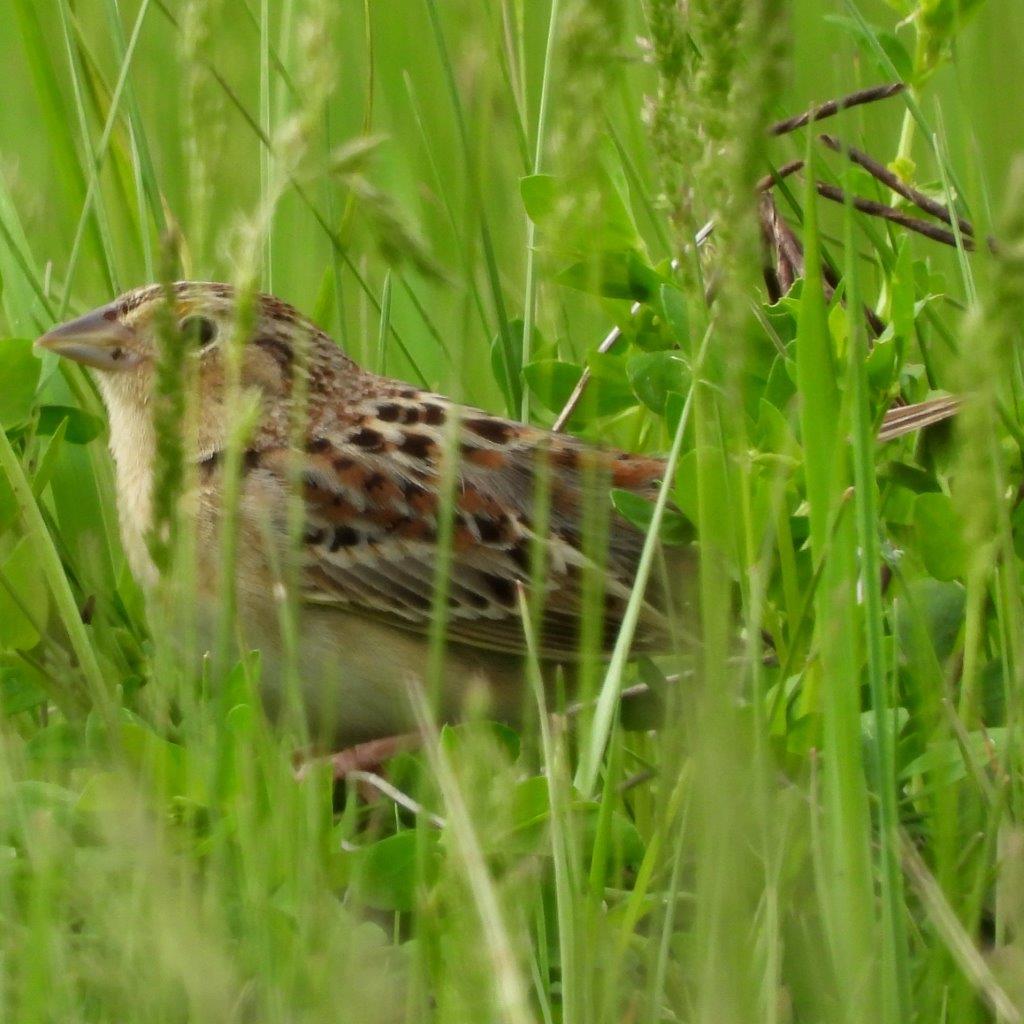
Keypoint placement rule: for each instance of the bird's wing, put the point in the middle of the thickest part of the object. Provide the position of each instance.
(374, 524)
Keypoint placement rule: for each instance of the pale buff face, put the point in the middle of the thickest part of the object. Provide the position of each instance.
(121, 344)
(122, 341)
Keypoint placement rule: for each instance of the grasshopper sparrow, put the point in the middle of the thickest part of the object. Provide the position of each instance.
(369, 473)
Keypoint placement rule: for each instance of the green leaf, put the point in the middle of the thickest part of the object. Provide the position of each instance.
(901, 282)
(881, 363)
(58, 743)
(940, 536)
(554, 205)
(19, 376)
(685, 490)
(24, 601)
(641, 712)
(675, 527)
(609, 391)
(782, 315)
(384, 874)
(945, 760)
(677, 317)
(552, 381)
(457, 739)
(530, 802)
(646, 328)
(8, 503)
(940, 21)
(890, 44)
(48, 459)
(775, 433)
(625, 840)
(615, 275)
(504, 374)
(540, 196)
(654, 375)
(81, 426)
(531, 810)
(940, 606)
(913, 478)
(164, 766)
(897, 53)
(618, 227)
(1016, 526)
(869, 724)
(20, 690)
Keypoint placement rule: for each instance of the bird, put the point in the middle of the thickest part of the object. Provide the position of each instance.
(368, 465)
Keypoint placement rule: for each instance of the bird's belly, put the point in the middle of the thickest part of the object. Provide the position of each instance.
(354, 678)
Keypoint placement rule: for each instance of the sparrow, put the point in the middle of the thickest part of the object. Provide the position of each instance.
(368, 463)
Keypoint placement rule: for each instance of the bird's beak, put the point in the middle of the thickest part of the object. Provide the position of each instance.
(99, 339)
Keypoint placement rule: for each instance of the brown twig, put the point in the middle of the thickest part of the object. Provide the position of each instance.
(832, 107)
(876, 209)
(777, 175)
(637, 779)
(362, 757)
(894, 184)
(789, 260)
(788, 254)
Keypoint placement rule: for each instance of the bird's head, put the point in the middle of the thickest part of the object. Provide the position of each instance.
(122, 340)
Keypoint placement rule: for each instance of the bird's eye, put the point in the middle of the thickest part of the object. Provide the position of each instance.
(199, 330)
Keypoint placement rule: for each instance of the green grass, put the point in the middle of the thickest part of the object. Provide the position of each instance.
(824, 825)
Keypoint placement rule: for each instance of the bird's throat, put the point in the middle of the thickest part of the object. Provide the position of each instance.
(133, 445)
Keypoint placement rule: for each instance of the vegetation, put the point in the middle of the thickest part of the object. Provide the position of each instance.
(822, 825)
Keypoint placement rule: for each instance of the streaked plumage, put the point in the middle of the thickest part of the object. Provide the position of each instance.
(369, 472)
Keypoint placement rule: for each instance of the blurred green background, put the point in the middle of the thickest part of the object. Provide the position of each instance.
(710, 880)
(390, 79)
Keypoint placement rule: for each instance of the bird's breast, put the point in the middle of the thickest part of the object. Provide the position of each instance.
(133, 446)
